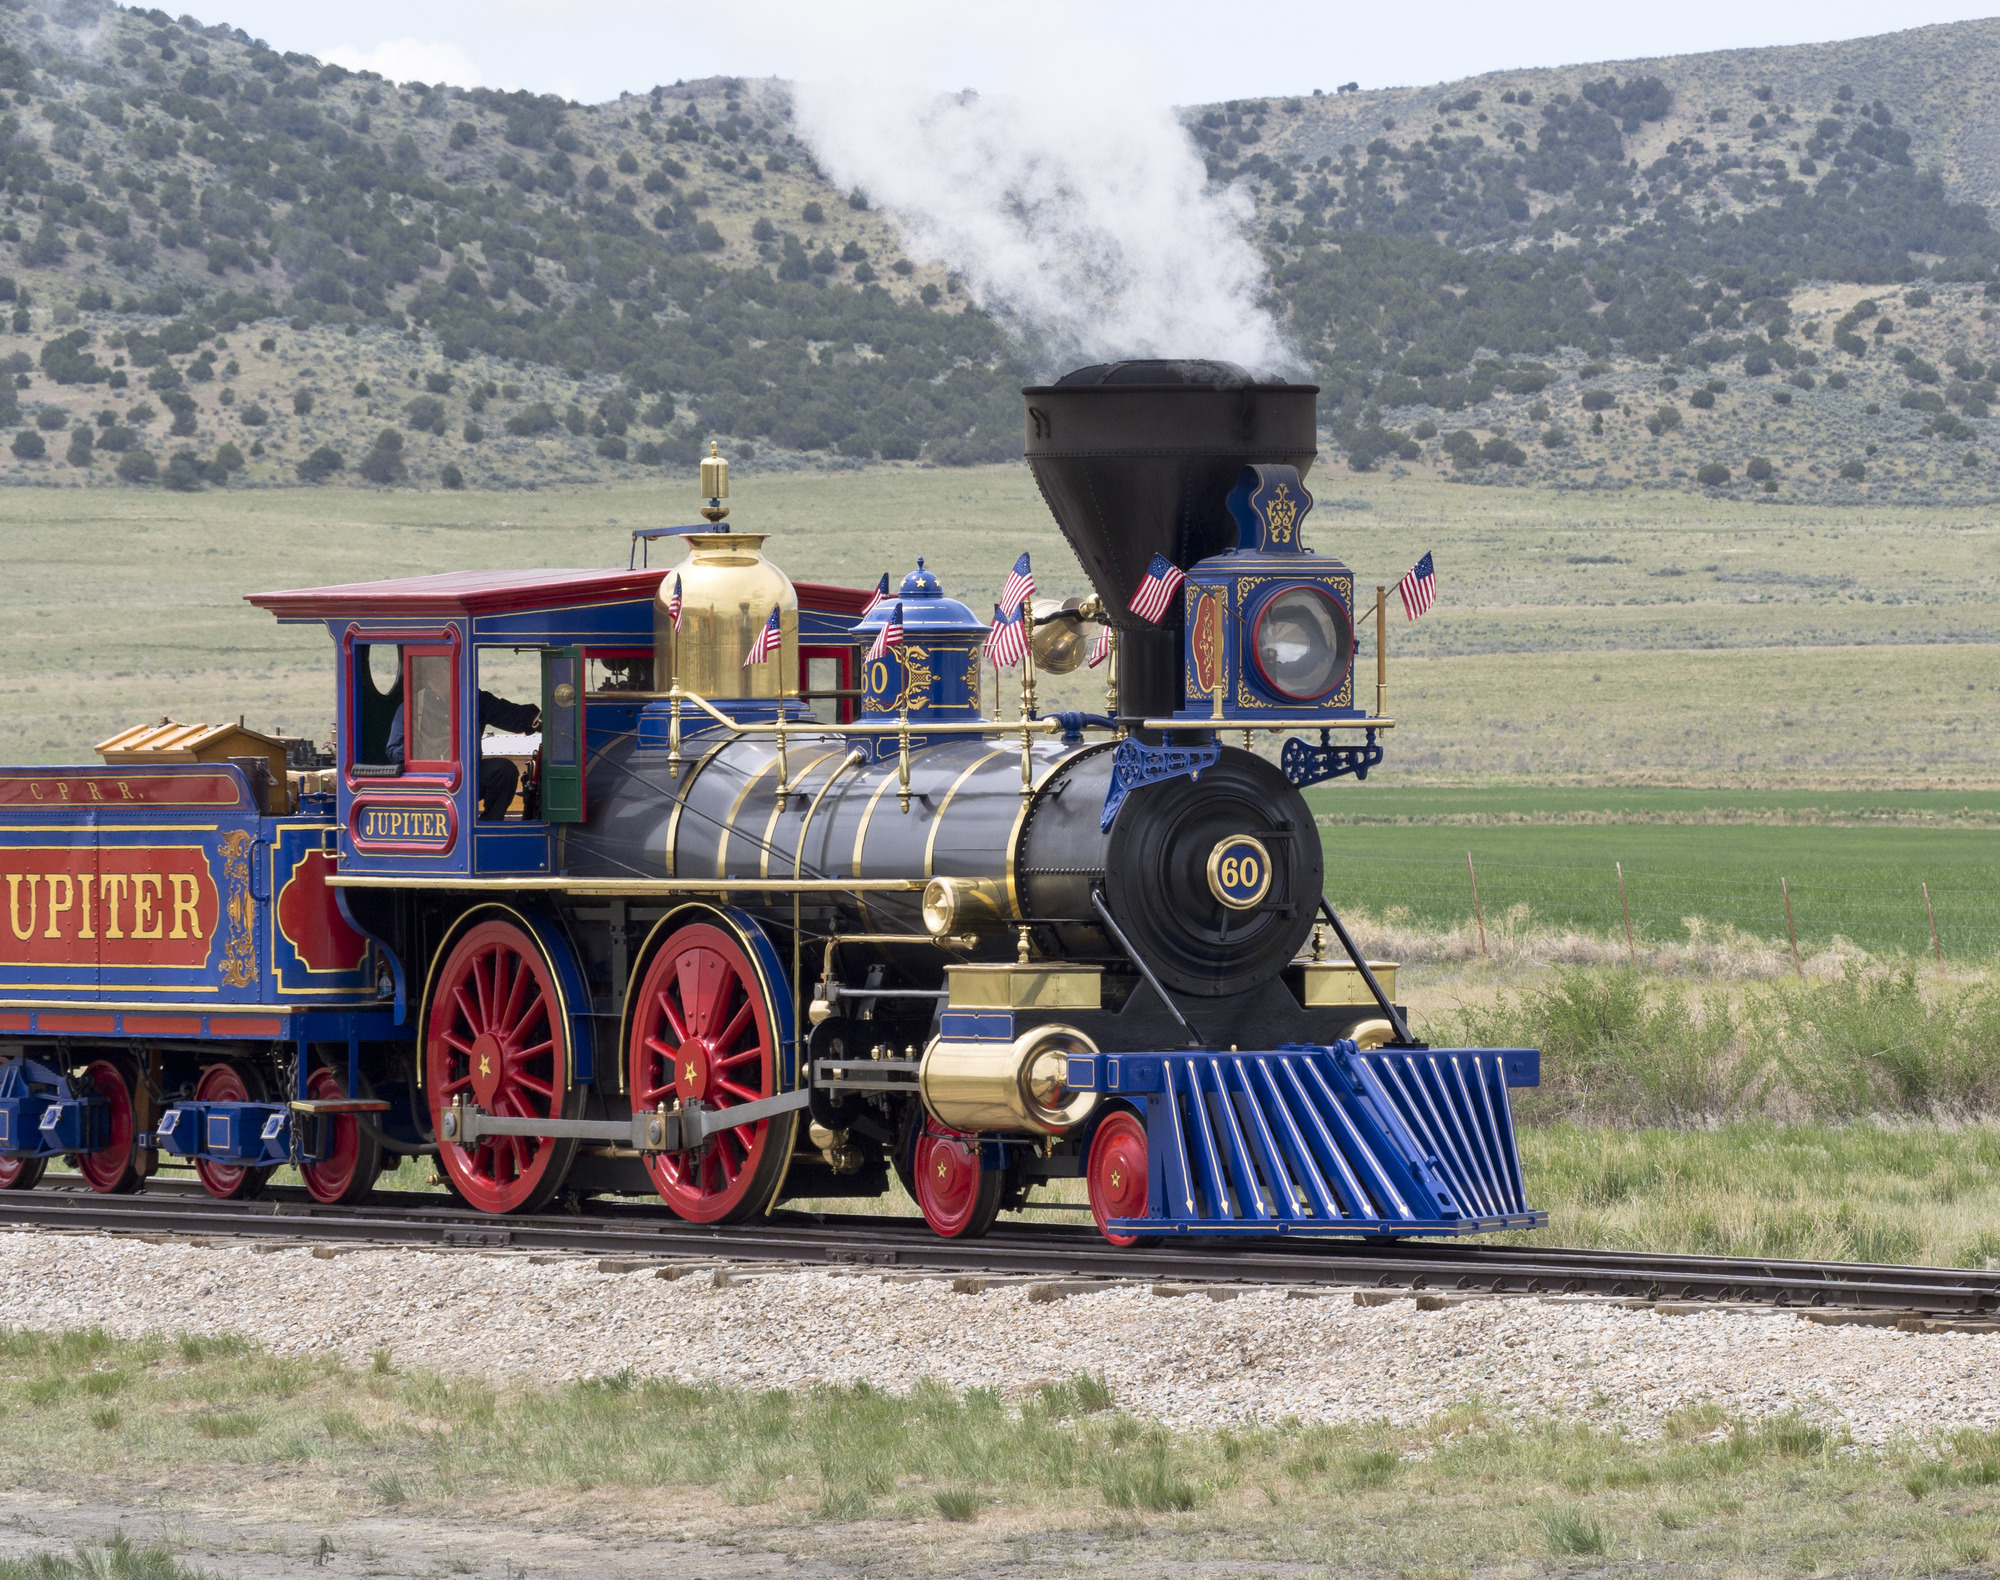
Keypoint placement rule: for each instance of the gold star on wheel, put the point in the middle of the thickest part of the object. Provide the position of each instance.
(941, 1168)
(1117, 1179)
(690, 1072)
(485, 1064)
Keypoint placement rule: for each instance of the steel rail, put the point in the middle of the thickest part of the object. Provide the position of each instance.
(1025, 1250)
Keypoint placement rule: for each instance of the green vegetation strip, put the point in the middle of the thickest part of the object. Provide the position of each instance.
(1713, 1494)
(1696, 863)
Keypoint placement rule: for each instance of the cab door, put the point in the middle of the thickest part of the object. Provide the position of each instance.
(562, 735)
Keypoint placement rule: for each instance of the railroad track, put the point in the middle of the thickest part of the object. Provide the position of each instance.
(175, 1207)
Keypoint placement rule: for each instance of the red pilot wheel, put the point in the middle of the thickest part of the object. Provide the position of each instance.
(229, 1083)
(21, 1173)
(702, 1028)
(495, 1031)
(113, 1168)
(353, 1158)
(958, 1199)
(1116, 1173)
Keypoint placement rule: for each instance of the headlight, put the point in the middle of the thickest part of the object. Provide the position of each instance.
(1304, 642)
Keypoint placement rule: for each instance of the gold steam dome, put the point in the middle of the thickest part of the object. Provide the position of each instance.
(727, 591)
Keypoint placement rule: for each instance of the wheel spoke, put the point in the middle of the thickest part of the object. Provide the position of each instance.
(533, 1085)
(737, 1022)
(482, 967)
(510, 1011)
(673, 1017)
(748, 1094)
(458, 1085)
(749, 1055)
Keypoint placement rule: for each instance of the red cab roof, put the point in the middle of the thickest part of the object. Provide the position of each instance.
(454, 593)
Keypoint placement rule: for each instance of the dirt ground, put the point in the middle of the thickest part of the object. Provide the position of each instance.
(249, 1532)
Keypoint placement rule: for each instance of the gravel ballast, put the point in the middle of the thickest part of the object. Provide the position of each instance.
(1189, 1362)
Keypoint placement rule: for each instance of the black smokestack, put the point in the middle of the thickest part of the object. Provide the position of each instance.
(1136, 459)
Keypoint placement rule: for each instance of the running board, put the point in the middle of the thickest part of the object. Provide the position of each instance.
(663, 1130)
(1325, 1139)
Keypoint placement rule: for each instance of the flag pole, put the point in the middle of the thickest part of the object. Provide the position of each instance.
(1381, 653)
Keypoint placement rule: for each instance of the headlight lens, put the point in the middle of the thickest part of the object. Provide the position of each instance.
(1304, 643)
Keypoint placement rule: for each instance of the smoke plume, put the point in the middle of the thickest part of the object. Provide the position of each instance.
(1075, 208)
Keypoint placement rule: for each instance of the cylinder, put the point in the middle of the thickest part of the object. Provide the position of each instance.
(1018, 1085)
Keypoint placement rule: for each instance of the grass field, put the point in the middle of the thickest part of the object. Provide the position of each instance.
(1855, 862)
(935, 1483)
(1642, 638)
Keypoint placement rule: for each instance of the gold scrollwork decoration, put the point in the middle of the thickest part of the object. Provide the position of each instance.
(239, 956)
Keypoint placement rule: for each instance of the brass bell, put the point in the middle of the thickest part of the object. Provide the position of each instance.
(1059, 641)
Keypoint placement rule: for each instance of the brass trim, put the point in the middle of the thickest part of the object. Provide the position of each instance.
(861, 835)
(1015, 986)
(113, 828)
(778, 811)
(630, 887)
(1336, 983)
(854, 757)
(1214, 871)
(1363, 723)
(670, 860)
(736, 806)
(136, 1007)
(944, 806)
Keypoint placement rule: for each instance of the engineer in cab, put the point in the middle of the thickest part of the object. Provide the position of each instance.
(498, 777)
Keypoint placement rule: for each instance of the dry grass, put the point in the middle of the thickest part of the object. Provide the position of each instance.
(853, 1470)
(1543, 661)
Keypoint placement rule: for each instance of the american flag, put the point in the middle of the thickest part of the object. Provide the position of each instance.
(1156, 590)
(1007, 642)
(891, 634)
(767, 641)
(674, 604)
(1020, 586)
(1419, 589)
(1100, 650)
(879, 597)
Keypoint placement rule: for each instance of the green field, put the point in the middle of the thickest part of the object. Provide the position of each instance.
(1854, 862)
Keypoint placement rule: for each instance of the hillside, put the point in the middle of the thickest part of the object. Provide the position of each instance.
(229, 264)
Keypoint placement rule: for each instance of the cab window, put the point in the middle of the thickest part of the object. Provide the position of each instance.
(428, 734)
(378, 693)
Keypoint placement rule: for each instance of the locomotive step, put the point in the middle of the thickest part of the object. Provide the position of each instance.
(318, 1106)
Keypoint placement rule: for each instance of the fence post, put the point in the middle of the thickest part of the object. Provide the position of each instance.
(1785, 889)
(1631, 956)
(1936, 948)
(1477, 915)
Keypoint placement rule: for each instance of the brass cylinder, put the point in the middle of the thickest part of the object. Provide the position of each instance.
(1016, 1086)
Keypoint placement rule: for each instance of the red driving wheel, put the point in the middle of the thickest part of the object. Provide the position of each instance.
(495, 1031)
(1116, 1173)
(353, 1158)
(113, 1168)
(229, 1083)
(21, 1173)
(958, 1199)
(702, 1030)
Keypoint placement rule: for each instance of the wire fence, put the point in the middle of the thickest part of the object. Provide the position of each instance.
(1886, 911)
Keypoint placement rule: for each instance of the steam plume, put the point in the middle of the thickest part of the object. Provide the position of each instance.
(1077, 212)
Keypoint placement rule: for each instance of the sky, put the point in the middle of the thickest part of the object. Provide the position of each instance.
(590, 50)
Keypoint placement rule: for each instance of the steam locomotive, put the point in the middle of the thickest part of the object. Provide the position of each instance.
(777, 914)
